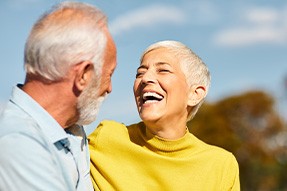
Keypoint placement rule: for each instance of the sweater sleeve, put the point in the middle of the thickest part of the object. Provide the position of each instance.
(104, 149)
(92, 140)
(231, 174)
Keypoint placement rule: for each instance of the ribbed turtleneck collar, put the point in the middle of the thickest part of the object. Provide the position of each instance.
(167, 147)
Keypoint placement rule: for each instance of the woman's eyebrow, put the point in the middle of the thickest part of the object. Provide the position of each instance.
(142, 67)
(156, 64)
(162, 63)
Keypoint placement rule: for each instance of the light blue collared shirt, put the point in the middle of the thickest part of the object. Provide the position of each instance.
(36, 153)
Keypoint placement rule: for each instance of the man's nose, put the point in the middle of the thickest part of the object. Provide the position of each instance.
(109, 89)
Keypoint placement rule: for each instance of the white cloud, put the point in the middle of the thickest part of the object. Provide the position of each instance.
(147, 17)
(262, 15)
(249, 36)
(260, 25)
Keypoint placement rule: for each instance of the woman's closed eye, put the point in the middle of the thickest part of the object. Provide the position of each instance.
(140, 74)
(163, 70)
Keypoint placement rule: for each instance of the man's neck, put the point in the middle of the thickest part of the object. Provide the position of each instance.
(55, 98)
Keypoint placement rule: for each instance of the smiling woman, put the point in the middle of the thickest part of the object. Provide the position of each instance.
(160, 153)
(160, 74)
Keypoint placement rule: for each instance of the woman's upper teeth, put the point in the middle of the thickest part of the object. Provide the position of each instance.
(152, 95)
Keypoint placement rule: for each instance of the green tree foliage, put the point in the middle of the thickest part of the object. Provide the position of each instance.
(248, 126)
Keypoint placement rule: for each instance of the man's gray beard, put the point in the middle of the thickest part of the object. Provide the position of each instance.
(89, 105)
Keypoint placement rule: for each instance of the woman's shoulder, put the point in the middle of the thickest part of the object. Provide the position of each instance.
(213, 150)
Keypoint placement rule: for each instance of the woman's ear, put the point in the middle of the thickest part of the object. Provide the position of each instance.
(196, 94)
(84, 72)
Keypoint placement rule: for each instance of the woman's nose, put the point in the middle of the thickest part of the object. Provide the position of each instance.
(148, 77)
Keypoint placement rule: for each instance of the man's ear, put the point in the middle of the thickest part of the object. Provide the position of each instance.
(196, 94)
(84, 74)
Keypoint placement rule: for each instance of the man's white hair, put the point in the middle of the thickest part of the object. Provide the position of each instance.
(71, 32)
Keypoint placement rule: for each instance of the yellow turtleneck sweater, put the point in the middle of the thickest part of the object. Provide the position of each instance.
(130, 159)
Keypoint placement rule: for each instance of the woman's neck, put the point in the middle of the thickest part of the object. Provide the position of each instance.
(168, 131)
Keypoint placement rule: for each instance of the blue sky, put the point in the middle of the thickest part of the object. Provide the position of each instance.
(243, 42)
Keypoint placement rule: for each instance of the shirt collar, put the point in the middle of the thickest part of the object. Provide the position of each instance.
(48, 125)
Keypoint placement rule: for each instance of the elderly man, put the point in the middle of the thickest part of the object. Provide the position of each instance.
(69, 59)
